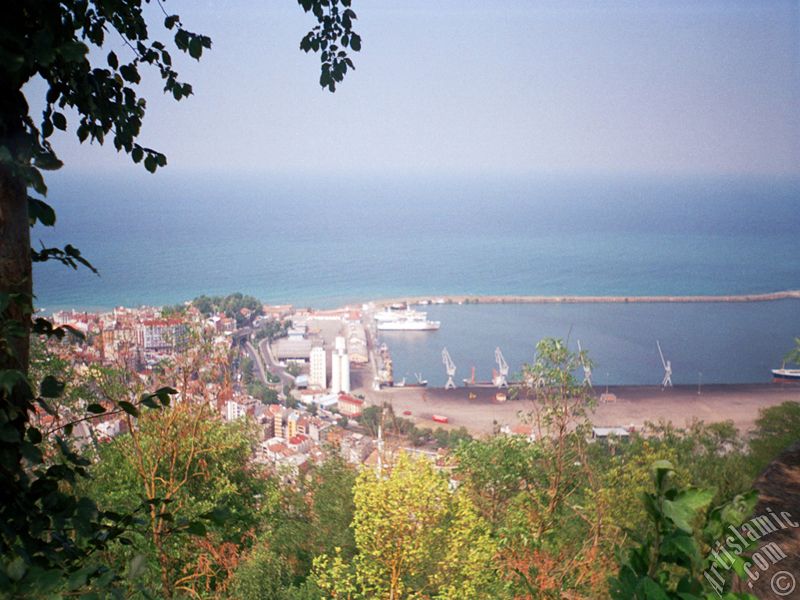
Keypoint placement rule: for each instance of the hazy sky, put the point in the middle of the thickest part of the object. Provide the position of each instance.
(640, 87)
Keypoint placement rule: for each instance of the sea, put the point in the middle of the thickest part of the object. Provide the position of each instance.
(329, 240)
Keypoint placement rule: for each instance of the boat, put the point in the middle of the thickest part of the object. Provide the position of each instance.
(440, 418)
(470, 382)
(786, 374)
(407, 320)
(420, 382)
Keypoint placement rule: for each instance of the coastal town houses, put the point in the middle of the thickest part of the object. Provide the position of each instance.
(350, 406)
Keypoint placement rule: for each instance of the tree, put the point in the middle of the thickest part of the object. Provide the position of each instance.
(793, 356)
(188, 466)
(777, 428)
(675, 559)
(413, 536)
(553, 540)
(52, 41)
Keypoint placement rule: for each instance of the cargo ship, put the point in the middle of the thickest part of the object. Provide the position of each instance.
(407, 320)
(786, 374)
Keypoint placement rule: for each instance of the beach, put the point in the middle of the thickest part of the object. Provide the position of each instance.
(634, 406)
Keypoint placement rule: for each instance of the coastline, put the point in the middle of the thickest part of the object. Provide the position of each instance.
(523, 299)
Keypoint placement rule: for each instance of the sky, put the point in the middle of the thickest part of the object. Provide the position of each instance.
(671, 88)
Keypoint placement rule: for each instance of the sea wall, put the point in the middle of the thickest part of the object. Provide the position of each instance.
(519, 299)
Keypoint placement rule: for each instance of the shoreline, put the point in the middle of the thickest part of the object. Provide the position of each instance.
(524, 299)
(442, 299)
(633, 405)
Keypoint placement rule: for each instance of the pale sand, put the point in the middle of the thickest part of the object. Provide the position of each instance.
(634, 406)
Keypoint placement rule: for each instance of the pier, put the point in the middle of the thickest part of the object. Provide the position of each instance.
(523, 299)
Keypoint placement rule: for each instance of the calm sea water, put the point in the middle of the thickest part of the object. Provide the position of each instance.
(712, 343)
(327, 241)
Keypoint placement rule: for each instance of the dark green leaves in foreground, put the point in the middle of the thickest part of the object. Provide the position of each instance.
(332, 37)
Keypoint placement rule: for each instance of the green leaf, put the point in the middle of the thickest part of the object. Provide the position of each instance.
(653, 591)
(196, 528)
(10, 378)
(195, 47)
(34, 435)
(48, 161)
(41, 211)
(113, 61)
(137, 566)
(150, 163)
(683, 509)
(16, 569)
(129, 408)
(60, 121)
(150, 402)
(51, 387)
(171, 21)
(97, 409)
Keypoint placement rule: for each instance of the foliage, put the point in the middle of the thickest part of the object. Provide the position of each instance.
(293, 369)
(192, 464)
(373, 416)
(777, 428)
(552, 536)
(266, 394)
(671, 560)
(496, 471)
(272, 329)
(232, 305)
(412, 535)
(50, 536)
(793, 356)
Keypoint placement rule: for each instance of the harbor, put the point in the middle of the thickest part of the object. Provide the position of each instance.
(484, 394)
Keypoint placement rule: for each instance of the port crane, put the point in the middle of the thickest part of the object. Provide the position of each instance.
(450, 367)
(667, 382)
(587, 368)
(500, 379)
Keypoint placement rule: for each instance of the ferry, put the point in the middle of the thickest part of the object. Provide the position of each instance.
(786, 374)
(407, 320)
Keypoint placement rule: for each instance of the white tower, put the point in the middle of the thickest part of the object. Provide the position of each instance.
(318, 376)
(336, 372)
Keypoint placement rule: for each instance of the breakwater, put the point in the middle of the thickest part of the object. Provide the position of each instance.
(522, 299)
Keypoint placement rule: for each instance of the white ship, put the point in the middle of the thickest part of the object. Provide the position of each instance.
(406, 320)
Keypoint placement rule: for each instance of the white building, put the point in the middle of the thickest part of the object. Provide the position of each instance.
(340, 367)
(318, 376)
(234, 410)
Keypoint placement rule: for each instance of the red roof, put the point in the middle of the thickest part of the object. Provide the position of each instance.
(350, 400)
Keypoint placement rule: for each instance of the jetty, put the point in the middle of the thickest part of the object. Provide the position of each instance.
(523, 299)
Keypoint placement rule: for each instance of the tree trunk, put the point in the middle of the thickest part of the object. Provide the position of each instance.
(15, 261)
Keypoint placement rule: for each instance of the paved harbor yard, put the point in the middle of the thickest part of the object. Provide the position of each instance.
(634, 405)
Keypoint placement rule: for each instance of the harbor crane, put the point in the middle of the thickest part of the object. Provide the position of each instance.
(500, 379)
(587, 368)
(450, 367)
(667, 382)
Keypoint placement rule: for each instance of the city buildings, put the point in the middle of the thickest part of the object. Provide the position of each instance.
(318, 371)
(340, 367)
